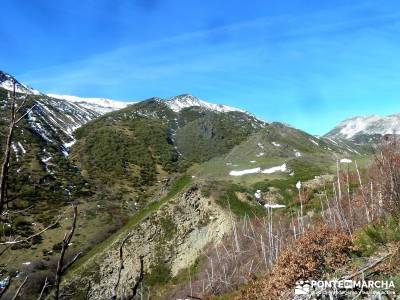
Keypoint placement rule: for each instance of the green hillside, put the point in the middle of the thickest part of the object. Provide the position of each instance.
(147, 141)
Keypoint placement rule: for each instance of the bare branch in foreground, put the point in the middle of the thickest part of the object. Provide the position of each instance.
(45, 285)
(20, 288)
(366, 268)
(7, 154)
(65, 244)
(31, 236)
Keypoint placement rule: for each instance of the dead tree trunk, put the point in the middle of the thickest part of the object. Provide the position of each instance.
(7, 150)
(7, 154)
(61, 268)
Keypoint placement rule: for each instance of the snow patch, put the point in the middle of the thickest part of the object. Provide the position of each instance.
(244, 172)
(346, 161)
(276, 144)
(15, 150)
(282, 168)
(297, 153)
(298, 185)
(21, 147)
(184, 101)
(99, 105)
(274, 205)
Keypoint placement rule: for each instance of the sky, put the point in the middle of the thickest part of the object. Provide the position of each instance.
(310, 63)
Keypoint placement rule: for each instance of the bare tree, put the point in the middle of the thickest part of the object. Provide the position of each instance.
(45, 285)
(20, 288)
(61, 267)
(14, 120)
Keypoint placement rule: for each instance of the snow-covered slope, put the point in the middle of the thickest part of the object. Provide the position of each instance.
(353, 128)
(50, 119)
(7, 82)
(55, 120)
(100, 105)
(180, 102)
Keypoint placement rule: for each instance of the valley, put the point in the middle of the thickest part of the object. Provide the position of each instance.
(164, 186)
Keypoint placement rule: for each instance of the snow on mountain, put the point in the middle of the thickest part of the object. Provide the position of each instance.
(51, 119)
(55, 120)
(99, 105)
(366, 125)
(184, 101)
(7, 82)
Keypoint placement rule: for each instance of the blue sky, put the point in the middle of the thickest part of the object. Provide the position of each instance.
(307, 63)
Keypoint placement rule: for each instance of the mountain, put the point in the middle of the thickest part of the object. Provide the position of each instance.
(177, 103)
(7, 82)
(365, 130)
(50, 119)
(40, 169)
(184, 101)
(170, 172)
(275, 150)
(99, 105)
(149, 139)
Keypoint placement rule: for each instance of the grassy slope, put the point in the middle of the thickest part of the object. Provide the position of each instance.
(259, 151)
(41, 195)
(99, 249)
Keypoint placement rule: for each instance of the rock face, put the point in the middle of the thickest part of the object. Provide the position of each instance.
(173, 237)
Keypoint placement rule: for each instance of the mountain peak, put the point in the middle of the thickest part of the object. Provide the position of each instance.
(180, 102)
(7, 82)
(366, 125)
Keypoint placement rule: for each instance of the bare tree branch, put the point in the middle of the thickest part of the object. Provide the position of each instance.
(45, 285)
(21, 106)
(4, 250)
(26, 113)
(7, 151)
(20, 288)
(366, 268)
(7, 154)
(31, 236)
(68, 265)
(65, 244)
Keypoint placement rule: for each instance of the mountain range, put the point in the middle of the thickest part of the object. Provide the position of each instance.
(181, 166)
(366, 129)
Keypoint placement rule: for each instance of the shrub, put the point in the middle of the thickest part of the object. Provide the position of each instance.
(385, 173)
(318, 251)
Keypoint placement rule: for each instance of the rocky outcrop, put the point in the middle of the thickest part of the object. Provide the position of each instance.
(173, 236)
